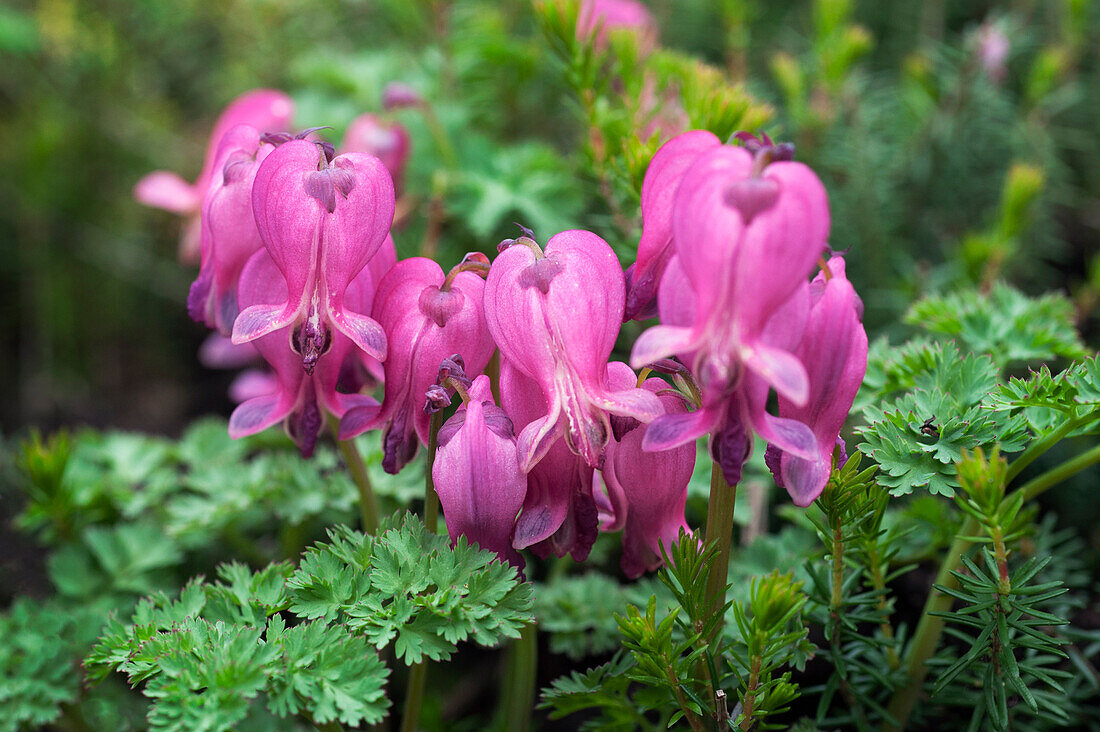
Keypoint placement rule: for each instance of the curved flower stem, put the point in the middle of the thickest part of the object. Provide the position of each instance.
(719, 531)
(1054, 476)
(927, 636)
(518, 688)
(414, 697)
(368, 503)
(418, 674)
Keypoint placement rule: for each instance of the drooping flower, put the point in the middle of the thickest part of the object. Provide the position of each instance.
(397, 95)
(300, 397)
(746, 234)
(555, 316)
(834, 350)
(264, 109)
(321, 220)
(647, 490)
(426, 317)
(229, 233)
(477, 476)
(389, 142)
(662, 177)
(559, 514)
(601, 17)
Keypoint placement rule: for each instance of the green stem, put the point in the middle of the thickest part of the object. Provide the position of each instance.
(1054, 476)
(418, 674)
(719, 532)
(518, 687)
(930, 628)
(414, 697)
(368, 503)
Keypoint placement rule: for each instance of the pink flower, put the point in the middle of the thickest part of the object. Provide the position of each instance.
(993, 48)
(555, 317)
(388, 142)
(321, 220)
(301, 397)
(477, 475)
(426, 318)
(600, 17)
(559, 514)
(265, 109)
(647, 490)
(746, 235)
(834, 350)
(229, 233)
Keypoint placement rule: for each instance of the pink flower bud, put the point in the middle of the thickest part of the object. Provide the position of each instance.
(388, 142)
(477, 475)
(425, 320)
(397, 95)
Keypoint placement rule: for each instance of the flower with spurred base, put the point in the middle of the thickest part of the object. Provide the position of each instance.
(834, 349)
(426, 317)
(647, 490)
(746, 234)
(555, 316)
(264, 109)
(389, 142)
(477, 476)
(229, 233)
(321, 220)
(300, 398)
(559, 514)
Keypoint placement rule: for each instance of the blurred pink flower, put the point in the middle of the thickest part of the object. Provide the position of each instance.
(265, 109)
(601, 17)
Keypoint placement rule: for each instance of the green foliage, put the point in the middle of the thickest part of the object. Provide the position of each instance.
(409, 587)
(917, 438)
(305, 638)
(1004, 324)
(849, 597)
(1048, 402)
(774, 636)
(578, 612)
(1006, 651)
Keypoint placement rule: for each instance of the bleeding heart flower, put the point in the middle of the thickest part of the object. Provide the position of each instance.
(264, 109)
(321, 220)
(477, 476)
(559, 514)
(229, 233)
(647, 490)
(834, 349)
(601, 17)
(426, 318)
(734, 217)
(389, 142)
(555, 317)
(301, 397)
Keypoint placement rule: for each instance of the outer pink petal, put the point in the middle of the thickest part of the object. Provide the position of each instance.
(480, 485)
(166, 190)
(267, 110)
(662, 178)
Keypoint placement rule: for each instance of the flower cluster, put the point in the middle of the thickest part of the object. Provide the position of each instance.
(298, 261)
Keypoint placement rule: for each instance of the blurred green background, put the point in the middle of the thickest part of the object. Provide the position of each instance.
(943, 167)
